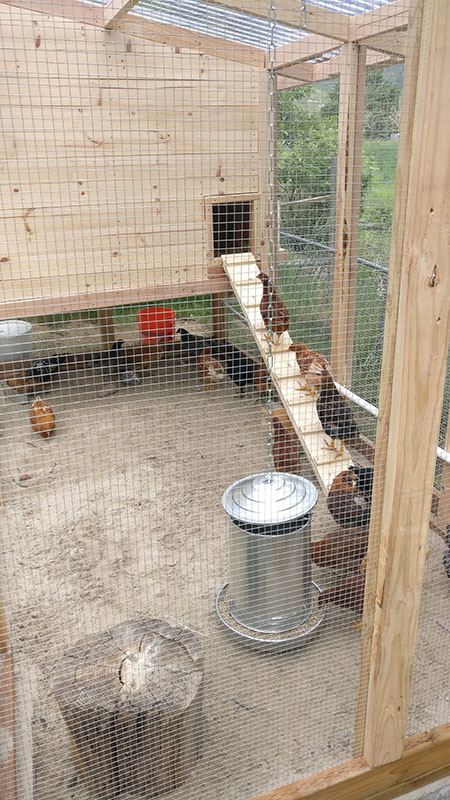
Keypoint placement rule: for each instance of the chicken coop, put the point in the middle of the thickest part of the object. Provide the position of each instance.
(225, 398)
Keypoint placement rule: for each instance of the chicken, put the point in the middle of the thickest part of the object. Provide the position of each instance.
(239, 367)
(192, 345)
(209, 368)
(39, 373)
(42, 418)
(311, 364)
(335, 415)
(262, 382)
(45, 369)
(20, 383)
(349, 499)
(287, 452)
(142, 357)
(446, 556)
(344, 550)
(347, 594)
(111, 361)
(274, 312)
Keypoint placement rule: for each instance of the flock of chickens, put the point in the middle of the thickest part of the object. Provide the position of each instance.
(349, 498)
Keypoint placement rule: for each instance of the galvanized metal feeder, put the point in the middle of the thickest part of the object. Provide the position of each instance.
(270, 599)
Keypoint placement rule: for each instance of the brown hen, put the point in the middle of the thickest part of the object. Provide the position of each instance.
(311, 365)
(349, 499)
(209, 369)
(287, 453)
(274, 312)
(344, 550)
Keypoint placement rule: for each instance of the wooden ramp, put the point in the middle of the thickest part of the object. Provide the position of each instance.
(242, 270)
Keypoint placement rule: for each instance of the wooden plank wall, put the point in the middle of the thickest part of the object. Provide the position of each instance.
(109, 144)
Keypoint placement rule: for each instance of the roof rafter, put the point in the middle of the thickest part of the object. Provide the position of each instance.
(115, 10)
(374, 28)
(171, 35)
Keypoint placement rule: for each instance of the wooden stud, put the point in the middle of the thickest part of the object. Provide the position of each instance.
(392, 42)
(385, 403)
(391, 17)
(348, 183)
(416, 348)
(106, 325)
(304, 49)
(7, 715)
(218, 316)
(426, 759)
(114, 10)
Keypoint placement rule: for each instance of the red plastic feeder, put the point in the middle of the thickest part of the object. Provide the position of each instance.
(156, 324)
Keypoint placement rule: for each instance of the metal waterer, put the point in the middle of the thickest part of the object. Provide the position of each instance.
(270, 590)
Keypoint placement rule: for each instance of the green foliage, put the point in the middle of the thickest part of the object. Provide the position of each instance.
(381, 104)
(306, 145)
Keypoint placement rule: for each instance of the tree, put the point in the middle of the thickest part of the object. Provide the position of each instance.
(306, 145)
(381, 105)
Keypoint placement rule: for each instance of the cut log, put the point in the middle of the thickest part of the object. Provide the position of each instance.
(131, 697)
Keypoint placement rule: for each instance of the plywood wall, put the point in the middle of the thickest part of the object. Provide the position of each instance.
(109, 144)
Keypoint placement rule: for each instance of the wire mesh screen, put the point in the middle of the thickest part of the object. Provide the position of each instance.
(194, 263)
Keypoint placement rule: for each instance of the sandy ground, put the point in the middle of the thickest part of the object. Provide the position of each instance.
(118, 516)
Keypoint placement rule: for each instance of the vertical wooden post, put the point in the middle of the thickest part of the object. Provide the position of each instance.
(262, 225)
(348, 190)
(443, 514)
(106, 325)
(417, 346)
(8, 788)
(218, 315)
(391, 318)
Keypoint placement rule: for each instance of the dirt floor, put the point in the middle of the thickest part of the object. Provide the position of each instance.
(118, 516)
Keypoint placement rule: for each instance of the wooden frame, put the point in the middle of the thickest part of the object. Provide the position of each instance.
(209, 202)
(348, 184)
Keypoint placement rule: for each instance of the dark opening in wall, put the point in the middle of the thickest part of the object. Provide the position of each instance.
(232, 228)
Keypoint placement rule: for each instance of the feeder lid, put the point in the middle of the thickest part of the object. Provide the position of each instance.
(13, 327)
(269, 498)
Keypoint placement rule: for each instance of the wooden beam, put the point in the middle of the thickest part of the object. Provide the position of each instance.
(40, 306)
(171, 35)
(426, 759)
(242, 270)
(303, 73)
(68, 9)
(392, 17)
(114, 10)
(416, 349)
(218, 317)
(106, 325)
(385, 402)
(175, 36)
(304, 49)
(327, 23)
(392, 42)
(382, 22)
(348, 185)
(7, 715)
(333, 67)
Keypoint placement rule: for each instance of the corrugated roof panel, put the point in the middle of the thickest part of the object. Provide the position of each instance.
(238, 26)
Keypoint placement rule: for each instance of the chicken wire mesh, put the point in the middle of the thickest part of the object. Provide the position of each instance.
(133, 161)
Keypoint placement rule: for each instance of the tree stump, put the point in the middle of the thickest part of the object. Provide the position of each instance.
(131, 697)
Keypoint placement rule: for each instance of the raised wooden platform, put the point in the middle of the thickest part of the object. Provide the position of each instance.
(242, 270)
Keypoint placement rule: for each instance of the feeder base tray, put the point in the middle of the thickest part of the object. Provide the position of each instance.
(271, 642)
